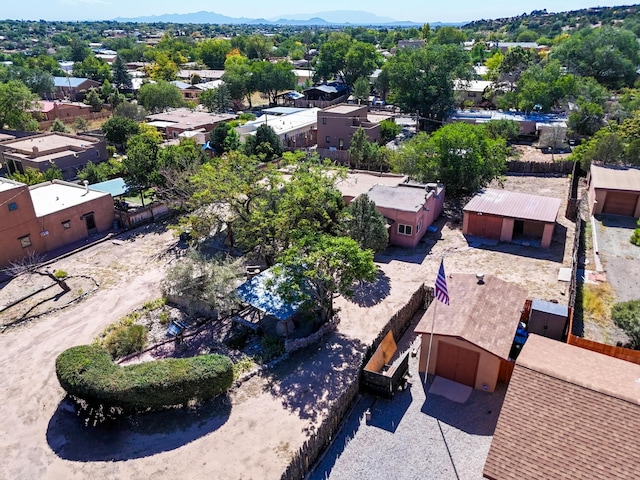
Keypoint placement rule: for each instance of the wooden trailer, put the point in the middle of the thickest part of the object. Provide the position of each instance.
(382, 375)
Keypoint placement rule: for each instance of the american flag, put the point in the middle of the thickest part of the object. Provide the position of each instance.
(442, 293)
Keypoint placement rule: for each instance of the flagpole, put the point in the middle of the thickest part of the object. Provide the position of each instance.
(433, 323)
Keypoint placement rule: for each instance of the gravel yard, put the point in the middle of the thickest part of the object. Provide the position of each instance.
(414, 437)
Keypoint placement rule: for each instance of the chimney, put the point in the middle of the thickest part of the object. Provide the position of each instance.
(35, 151)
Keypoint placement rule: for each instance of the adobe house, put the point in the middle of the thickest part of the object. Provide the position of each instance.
(72, 88)
(409, 209)
(174, 122)
(568, 413)
(68, 152)
(614, 190)
(511, 216)
(66, 111)
(473, 335)
(49, 215)
(338, 123)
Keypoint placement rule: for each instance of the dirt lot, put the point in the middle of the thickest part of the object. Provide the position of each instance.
(251, 433)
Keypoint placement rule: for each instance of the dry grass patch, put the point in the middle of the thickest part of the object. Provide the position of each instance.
(597, 301)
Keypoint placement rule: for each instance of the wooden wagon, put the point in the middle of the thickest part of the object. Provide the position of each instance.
(383, 375)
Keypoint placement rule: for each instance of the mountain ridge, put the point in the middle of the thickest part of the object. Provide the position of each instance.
(349, 17)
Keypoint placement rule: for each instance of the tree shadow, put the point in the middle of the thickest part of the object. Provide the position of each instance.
(137, 436)
(311, 379)
(477, 416)
(368, 294)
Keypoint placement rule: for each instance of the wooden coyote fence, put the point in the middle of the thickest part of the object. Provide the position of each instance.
(560, 167)
(308, 454)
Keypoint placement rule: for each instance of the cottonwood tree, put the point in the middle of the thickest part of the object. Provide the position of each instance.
(463, 156)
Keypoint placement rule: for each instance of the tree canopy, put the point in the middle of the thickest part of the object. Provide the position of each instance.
(462, 156)
(422, 79)
(158, 97)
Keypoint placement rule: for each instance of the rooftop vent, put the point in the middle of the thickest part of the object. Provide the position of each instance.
(480, 277)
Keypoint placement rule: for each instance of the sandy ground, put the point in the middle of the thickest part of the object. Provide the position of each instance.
(251, 433)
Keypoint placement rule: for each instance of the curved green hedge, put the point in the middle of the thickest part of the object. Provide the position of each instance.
(87, 372)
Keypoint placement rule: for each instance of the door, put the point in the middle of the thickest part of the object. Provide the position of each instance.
(457, 363)
(620, 203)
(91, 223)
(485, 226)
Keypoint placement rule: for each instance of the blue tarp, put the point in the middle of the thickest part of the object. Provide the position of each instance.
(115, 187)
(261, 292)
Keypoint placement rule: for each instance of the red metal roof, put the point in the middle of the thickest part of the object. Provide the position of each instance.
(504, 203)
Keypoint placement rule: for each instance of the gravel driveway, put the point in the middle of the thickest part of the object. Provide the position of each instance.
(621, 259)
(410, 438)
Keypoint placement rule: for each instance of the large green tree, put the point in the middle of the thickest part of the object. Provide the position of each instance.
(422, 79)
(93, 68)
(213, 52)
(272, 78)
(610, 55)
(118, 130)
(16, 104)
(158, 97)
(141, 163)
(346, 59)
(462, 156)
(217, 99)
(319, 268)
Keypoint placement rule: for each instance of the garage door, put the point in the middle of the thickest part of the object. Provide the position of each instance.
(620, 203)
(457, 363)
(485, 226)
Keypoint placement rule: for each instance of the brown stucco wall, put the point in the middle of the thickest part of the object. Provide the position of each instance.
(18, 223)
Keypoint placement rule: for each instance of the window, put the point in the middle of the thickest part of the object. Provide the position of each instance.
(13, 206)
(404, 229)
(419, 226)
(324, 120)
(25, 241)
(66, 224)
(328, 139)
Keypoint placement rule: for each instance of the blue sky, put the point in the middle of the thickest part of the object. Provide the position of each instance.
(414, 10)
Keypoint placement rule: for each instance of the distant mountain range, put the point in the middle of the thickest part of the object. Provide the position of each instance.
(341, 17)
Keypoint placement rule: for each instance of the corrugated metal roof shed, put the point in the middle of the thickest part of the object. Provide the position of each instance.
(505, 203)
(615, 178)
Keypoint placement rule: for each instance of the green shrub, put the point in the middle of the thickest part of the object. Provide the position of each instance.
(87, 372)
(60, 274)
(626, 315)
(635, 237)
(125, 340)
(272, 347)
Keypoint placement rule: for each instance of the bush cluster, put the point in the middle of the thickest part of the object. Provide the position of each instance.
(125, 340)
(87, 372)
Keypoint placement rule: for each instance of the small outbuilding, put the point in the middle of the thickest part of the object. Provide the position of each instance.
(473, 335)
(568, 413)
(548, 319)
(615, 190)
(511, 216)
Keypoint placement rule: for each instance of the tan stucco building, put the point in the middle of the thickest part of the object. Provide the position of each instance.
(473, 335)
(48, 216)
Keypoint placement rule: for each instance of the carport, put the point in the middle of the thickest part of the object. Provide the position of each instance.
(614, 190)
(511, 216)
